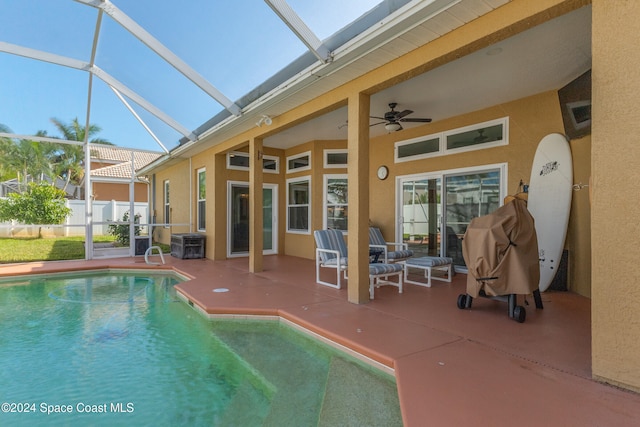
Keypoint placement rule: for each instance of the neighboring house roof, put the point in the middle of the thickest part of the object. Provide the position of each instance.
(114, 154)
(122, 157)
(119, 171)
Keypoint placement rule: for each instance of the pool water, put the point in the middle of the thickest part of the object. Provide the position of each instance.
(119, 348)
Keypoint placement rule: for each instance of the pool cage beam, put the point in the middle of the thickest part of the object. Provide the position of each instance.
(102, 75)
(122, 89)
(300, 29)
(161, 50)
(137, 116)
(88, 199)
(40, 139)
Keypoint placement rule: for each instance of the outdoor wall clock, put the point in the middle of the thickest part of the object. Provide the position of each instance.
(383, 172)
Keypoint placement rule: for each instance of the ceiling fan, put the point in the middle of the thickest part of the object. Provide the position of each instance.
(392, 119)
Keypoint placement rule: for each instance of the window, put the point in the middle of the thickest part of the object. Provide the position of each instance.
(240, 160)
(237, 160)
(202, 195)
(417, 148)
(336, 208)
(167, 206)
(475, 137)
(299, 162)
(299, 205)
(271, 164)
(335, 158)
(482, 135)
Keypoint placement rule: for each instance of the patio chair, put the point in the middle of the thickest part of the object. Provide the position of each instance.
(331, 252)
(399, 252)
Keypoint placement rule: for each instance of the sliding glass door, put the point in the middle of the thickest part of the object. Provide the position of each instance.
(435, 209)
(421, 215)
(469, 195)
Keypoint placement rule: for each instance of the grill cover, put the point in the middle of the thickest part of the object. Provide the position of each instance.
(501, 252)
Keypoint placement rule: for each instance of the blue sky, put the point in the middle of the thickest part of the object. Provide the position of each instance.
(235, 45)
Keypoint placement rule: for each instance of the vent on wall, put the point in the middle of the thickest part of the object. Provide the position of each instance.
(575, 102)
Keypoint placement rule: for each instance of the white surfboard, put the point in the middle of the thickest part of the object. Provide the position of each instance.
(549, 201)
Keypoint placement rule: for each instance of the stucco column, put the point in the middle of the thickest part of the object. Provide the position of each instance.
(217, 214)
(615, 211)
(255, 205)
(358, 177)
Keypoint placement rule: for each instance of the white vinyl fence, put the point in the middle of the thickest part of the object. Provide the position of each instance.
(75, 225)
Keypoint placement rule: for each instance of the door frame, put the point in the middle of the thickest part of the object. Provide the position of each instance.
(274, 217)
(443, 174)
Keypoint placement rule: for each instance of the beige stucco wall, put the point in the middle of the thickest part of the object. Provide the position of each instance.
(530, 119)
(179, 198)
(615, 216)
(115, 191)
(299, 244)
(578, 240)
(241, 176)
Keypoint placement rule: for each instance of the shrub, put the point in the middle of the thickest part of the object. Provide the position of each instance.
(121, 231)
(41, 204)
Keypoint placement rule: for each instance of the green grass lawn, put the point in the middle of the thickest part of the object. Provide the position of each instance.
(47, 249)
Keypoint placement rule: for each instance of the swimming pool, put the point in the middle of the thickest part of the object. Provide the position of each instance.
(119, 348)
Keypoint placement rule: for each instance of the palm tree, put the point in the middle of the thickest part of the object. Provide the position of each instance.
(69, 159)
(25, 159)
(76, 132)
(5, 143)
(28, 160)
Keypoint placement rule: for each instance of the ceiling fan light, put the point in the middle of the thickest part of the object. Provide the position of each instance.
(393, 127)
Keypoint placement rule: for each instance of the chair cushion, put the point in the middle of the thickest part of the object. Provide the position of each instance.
(429, 261)
(379, 268)
(375, 236)
(394, 255)
(330, 239)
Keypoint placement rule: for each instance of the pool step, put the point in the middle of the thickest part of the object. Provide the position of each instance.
(347, 401)
(287, 366)
(248, 407)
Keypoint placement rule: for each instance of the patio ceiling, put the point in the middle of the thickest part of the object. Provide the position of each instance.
(544, 58)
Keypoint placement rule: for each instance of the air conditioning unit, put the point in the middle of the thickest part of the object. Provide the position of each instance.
(187, 245)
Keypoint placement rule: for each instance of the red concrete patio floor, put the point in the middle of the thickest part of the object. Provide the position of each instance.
(453, 367)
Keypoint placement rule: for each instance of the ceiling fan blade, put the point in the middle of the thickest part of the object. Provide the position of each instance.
(379, 123)
(416, 120)
(379, 118)
(403, 113)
